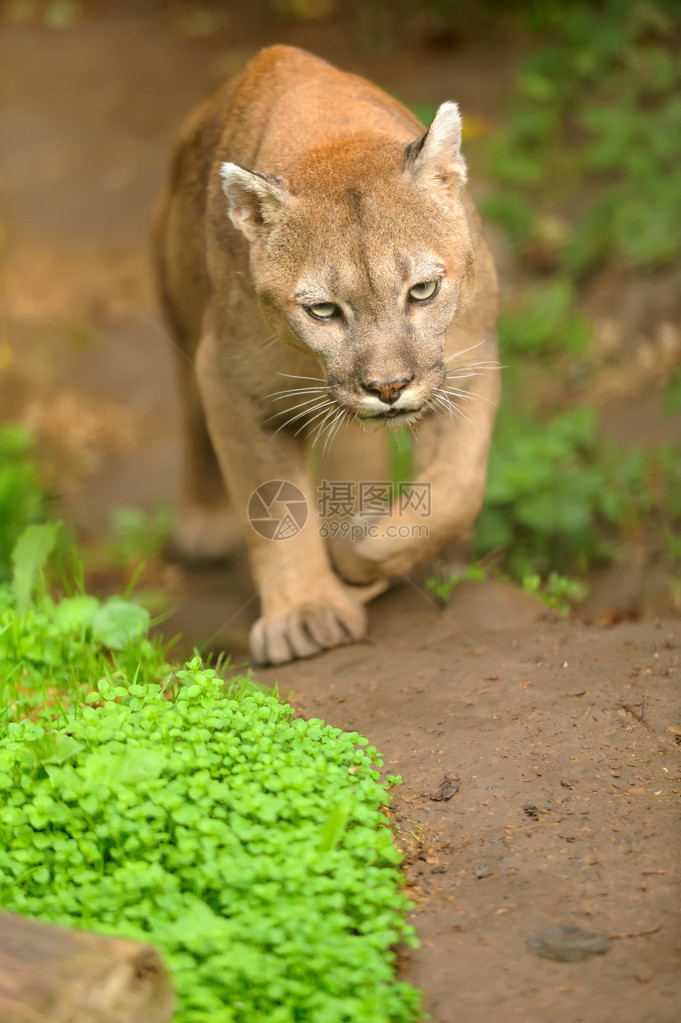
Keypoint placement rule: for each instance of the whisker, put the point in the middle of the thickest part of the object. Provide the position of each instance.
(475, 367)
(464, 350)
(313, 392)
(472, 369)
(333, 430)
(452, 406)
(308, 401)
(336, 431)
(321, 427)
(323, 411)
(298, 376)
(278, 395)
(456, 409)
(468, 394)
(313, 412)
(483, 364)
(265, 343)
(283, 409)
(305, 412)
(319, 431)
(431, 406)
(443, 398)
(342, 420)
(444, 404)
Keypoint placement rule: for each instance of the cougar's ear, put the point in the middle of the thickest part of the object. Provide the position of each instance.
(436, 157)
(255, 199)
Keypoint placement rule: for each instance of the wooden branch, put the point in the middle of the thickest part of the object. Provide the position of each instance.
(52, 975)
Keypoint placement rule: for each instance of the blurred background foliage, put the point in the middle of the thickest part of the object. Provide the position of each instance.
(584, 178)
(589, 154)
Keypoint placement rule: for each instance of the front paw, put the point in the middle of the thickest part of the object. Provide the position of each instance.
(391, 549)
(349, 558)
(306, 629)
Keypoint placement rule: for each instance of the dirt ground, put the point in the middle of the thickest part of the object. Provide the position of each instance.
(556, 742)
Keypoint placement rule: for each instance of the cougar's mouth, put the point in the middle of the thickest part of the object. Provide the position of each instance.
(392, 418)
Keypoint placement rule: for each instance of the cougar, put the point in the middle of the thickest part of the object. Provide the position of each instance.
(321, 268)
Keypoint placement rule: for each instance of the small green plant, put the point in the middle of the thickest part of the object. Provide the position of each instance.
(148, 802)
(558, 592)
(557, 495)
(22, 494)
(250, 846)
(400, 458)
(442, 586)
(49, 648)
(544, 493)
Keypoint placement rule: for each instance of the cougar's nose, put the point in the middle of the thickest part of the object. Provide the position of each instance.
(389, 393)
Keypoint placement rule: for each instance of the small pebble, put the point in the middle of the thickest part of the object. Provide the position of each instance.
(643, 974)
(567, 944)
(447, 788)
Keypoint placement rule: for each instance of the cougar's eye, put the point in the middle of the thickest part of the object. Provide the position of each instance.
(322, 310)
(423, 291)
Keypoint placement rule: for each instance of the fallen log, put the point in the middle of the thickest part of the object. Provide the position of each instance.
(52, 975)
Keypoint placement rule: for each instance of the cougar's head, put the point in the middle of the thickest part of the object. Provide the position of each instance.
(361, 255)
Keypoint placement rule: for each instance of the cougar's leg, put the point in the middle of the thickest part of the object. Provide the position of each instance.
(207, 528)
(305, 608)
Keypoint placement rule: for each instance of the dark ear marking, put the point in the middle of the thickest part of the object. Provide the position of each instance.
(413, 150)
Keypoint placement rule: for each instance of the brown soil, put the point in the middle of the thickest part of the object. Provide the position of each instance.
(563, 738)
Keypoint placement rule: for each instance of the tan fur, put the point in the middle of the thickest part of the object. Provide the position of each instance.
(349, 204)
